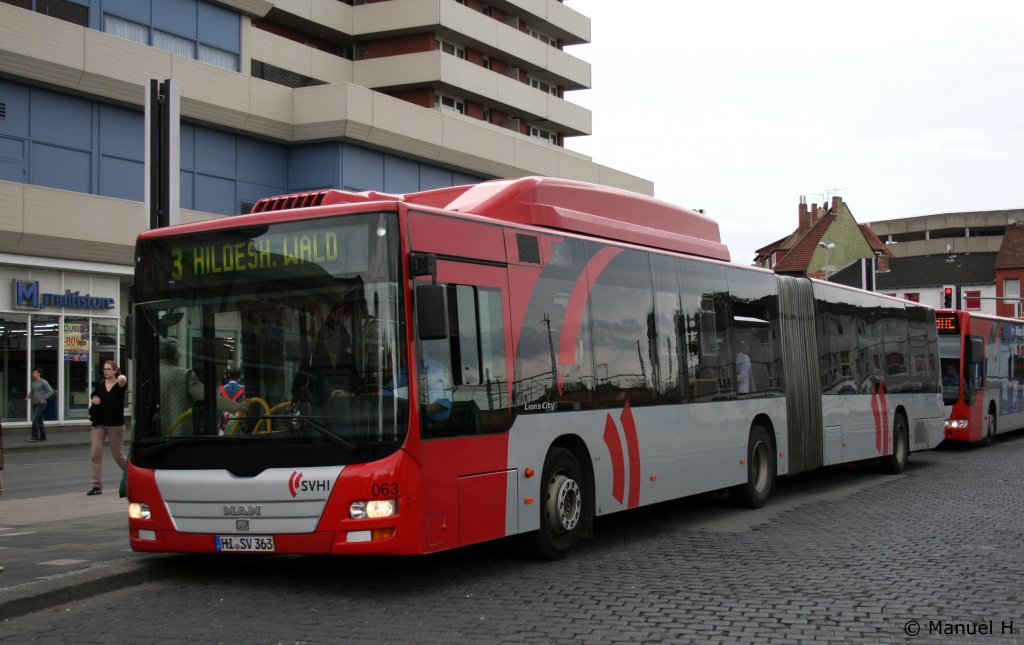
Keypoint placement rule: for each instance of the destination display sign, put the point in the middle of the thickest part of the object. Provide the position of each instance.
(947, 323)
(256, 253)
(323, 248)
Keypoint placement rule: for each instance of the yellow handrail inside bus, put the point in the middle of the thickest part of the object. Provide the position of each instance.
(172, 431)
(269, 422)
(233, 423)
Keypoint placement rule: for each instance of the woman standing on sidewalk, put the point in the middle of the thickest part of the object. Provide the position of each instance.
(107, 416)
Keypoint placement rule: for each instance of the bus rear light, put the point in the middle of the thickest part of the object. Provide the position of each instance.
(956, 424)
(372, 509)
(137, 511)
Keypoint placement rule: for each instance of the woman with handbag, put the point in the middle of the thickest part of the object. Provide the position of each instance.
(107, 416)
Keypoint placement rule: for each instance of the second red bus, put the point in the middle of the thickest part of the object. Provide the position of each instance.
(982, 374)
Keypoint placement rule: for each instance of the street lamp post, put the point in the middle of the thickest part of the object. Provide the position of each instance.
(828, 247)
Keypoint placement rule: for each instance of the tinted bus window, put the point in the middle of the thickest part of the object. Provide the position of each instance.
(540, 360)
(753, 329)
(669, 359)
(709, 355)
(623, 330)
(851, 350)
(924, 371)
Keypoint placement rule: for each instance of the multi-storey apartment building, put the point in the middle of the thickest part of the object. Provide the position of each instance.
(276, 96)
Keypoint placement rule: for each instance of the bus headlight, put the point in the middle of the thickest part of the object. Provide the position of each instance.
(373, 508)
(956, 424)
(137, 511)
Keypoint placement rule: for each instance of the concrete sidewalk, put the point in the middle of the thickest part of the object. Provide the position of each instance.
(16, 439)
(65, 547)
(62, 548)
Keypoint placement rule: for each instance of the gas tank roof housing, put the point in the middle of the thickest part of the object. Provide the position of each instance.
(557, 204)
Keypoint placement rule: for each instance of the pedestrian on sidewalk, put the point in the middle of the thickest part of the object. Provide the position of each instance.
(39, 395)
(107, 416)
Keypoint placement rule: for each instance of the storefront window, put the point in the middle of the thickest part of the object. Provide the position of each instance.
(13, 367)
(65, 323)
(76, 367)
(45, 347)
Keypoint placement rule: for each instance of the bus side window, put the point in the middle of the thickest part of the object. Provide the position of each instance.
(974, 377)
(463, 377)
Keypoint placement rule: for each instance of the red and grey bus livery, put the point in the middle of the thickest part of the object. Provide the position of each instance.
(514, 357)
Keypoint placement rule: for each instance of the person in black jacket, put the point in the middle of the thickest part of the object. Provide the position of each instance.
(327, 382)
(107, 416)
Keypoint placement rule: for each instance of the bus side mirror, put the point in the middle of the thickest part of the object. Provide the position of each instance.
(431, 312)
(129, 323)
(421, 264)
(129, 335)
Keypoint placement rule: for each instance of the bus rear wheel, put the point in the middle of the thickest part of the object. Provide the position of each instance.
(760, 471)
(895, 463)
(561, 506)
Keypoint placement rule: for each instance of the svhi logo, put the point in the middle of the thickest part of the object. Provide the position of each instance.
(296, 484)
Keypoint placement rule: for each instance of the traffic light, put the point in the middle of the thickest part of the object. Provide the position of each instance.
(947, 298)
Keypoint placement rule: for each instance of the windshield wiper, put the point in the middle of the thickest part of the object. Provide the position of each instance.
(172, 442)
(326, 432)
(295, 421)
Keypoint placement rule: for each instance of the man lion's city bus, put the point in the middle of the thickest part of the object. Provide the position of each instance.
(982, 374)
(436, 369)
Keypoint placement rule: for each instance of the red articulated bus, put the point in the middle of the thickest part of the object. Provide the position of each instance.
(982, 374)
(437, 369)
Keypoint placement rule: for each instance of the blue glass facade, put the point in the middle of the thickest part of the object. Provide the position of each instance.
(49, 138)
(61, 141)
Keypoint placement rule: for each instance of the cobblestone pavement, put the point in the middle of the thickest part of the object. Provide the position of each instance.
(846, 555)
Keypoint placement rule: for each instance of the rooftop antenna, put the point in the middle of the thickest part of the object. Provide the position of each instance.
(829, 192)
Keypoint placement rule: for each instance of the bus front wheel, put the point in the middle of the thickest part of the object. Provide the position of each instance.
(990, 428)
(760, 471)
(561, 506)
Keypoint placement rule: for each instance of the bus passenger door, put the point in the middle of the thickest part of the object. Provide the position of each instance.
(462, 387)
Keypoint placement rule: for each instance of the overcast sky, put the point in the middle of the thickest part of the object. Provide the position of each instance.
(902, 107)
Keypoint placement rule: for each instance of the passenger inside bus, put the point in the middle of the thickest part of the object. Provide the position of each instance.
(395, 384)
(743, 369)
(434, 388)
(950, 374)
(231, 389)
(180, 389)
(330, 371)
(435, 381)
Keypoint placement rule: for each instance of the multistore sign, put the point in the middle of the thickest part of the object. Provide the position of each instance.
(28, 296)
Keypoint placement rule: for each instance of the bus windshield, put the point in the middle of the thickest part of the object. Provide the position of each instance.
(273, 345)
(949, 357)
